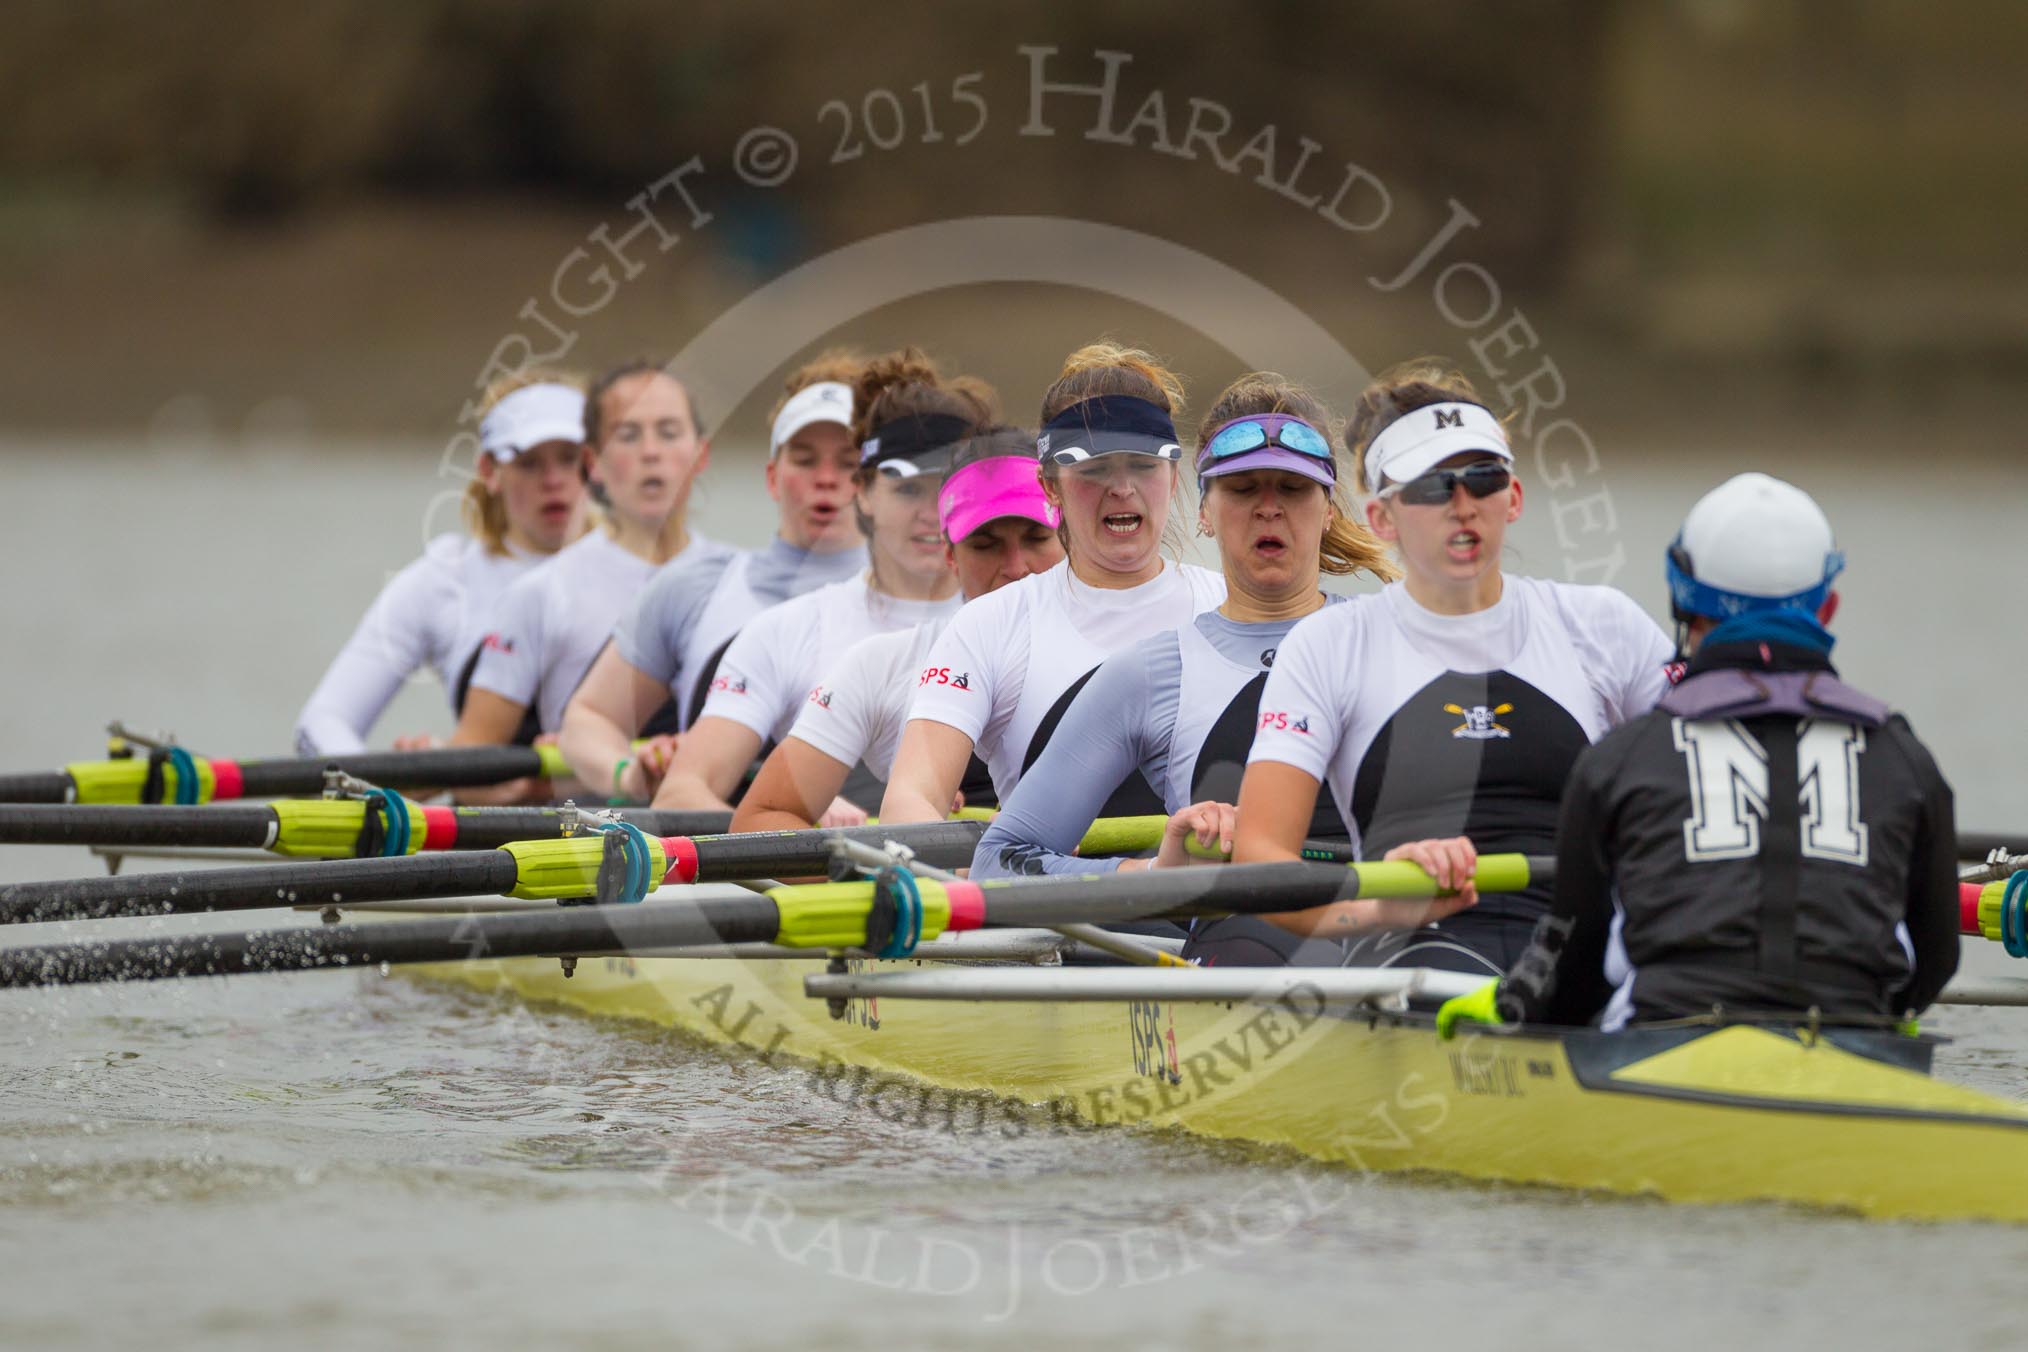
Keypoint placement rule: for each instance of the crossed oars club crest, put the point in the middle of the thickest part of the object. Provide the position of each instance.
(1479, 721)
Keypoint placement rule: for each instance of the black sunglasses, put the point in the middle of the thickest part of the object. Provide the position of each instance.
(1434, 489)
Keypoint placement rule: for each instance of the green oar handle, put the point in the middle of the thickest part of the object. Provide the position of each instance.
(1495, 873)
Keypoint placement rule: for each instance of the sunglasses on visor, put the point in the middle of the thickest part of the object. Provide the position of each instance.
(1251, 434)
(1434, 489)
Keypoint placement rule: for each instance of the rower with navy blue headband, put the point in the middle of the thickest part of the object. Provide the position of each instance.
(1180, 708)
(1001, 676)
(1445, 711)
(1768, 839)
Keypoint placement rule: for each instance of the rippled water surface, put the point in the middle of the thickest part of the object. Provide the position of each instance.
(341, 1159)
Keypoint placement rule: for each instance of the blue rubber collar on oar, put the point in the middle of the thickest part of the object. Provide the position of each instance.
(2014, 915)
(185, 766)
(393, 809)
(639, 881)
(897, 909)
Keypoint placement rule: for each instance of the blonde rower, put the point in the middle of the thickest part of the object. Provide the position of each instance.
(523, 503)
(999, 678)
(1446, 712)
(645, 446)
(1181, 707)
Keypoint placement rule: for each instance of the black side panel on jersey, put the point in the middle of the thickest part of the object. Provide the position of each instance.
(531, 717)
(1483, 755)
(664, 719)
(1133, 798)
(701, 688)
(1221, 762)
(977, 785)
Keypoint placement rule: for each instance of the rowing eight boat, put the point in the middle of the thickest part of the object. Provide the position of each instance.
(1304, 1059)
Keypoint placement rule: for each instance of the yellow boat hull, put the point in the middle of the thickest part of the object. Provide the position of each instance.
(1731, 1114)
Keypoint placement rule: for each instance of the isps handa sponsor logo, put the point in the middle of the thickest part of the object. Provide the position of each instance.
(734, 685)
(498, 643)
(1280, 720)
(960, 680)
(820, 697)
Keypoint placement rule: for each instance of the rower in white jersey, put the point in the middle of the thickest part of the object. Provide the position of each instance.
(908, 420)
(523, 503)
(667, 646)
(998, 528)
(1001, 675)
(1446, 712)
(644, 447)
(1180, 708)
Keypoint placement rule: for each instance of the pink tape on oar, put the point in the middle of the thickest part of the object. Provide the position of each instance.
(1968, 909)
(681, 852)
(226, 780)
(440, 827)
(968, 905)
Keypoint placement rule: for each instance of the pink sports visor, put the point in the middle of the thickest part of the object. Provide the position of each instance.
(1004, 485)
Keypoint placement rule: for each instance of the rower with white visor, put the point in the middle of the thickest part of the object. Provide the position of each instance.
(523, 503)
(645, 446)
(1446, 711)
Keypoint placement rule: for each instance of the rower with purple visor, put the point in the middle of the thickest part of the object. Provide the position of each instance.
(1180, 709)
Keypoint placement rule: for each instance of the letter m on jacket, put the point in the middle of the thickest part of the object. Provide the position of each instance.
(1729, 789)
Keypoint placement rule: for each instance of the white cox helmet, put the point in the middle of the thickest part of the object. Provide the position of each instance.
(1752, 544)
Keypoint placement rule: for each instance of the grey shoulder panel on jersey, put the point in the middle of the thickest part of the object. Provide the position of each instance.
(650, 636)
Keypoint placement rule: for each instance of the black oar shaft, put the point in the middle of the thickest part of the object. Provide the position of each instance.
(246, 827)
(571, 929)
(488, 828)
(49, 786)
(254, 826)
(1109, 898)
(322, 883)
(772, 854)
(444, 767)
(1976, 845)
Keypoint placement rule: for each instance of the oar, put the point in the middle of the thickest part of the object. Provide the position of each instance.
(1111, 836)
(838, 916)
(316, 828)
(538, 869)
(1976, 845)
(174, 776)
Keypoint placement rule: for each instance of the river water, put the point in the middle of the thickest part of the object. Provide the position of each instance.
(346, 1160)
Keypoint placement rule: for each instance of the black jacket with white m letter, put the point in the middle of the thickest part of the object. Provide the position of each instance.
(1771, 839)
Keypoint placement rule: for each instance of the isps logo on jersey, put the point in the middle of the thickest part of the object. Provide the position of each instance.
(1481, 723)
(820, 697)
(956, 680)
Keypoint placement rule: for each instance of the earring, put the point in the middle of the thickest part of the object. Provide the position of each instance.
(1204, 530)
